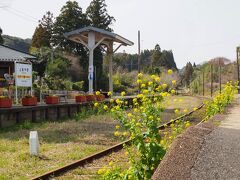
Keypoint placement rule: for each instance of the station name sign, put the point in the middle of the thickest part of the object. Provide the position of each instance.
(23, 75)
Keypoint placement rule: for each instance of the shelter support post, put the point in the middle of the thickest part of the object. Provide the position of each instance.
(110, 56)
(91, 44)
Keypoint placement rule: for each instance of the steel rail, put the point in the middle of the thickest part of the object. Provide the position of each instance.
(98, 155)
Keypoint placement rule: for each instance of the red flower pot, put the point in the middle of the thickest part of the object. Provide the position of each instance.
(52, 100)
(29, 101)
(80, 98)
(100, 97)
(91, 97)
(5, 103)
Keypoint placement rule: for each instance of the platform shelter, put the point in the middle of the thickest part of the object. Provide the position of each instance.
(92, 37)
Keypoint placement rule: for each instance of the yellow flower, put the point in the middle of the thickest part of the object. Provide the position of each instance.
(170, 71)
(126, 153)
(150, 83)
(139, 81)
(187, 124)
(157, 79)
(174, 82)
(164, 85)
(176, 111)
(118, 101)
(123, 93)
(110, 163)
(173, 91)
(138, 124)
(105, 107)
(116, 133)
(109, 93)
(96, 104)
(185, 110)
(195, 109)
(140, 75)
(101, 171)
(129, 115)
(145, 91)
(111, 100)
(153, 76)
(162, 142)
(98, 93)
(143, 85)
(125, 133)
(135, 110)
(150, 117)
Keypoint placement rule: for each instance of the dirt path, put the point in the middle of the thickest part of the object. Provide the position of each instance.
(219, 157)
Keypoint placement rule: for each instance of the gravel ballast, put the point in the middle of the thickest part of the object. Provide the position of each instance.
(183, 153)
(205, 152)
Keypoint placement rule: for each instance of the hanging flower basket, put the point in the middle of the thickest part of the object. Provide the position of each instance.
(91, 97)
(100, 97)
(29, 101)
(5, 102)
(81, 98)
(52, 100)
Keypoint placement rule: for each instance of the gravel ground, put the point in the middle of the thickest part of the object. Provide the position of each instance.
(181, 157)
(205, 152)
(219, 158)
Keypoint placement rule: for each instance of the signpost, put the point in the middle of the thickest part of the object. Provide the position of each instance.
(23, 76)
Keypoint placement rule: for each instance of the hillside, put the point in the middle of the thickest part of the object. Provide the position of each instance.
(17, 43)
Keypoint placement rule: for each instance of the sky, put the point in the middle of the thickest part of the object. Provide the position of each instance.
(195, 30)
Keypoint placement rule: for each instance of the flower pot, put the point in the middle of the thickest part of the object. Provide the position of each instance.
(81, 98)
(5, 103)
(29, 101)
(100, 97)
(52, 100)
(91, 97)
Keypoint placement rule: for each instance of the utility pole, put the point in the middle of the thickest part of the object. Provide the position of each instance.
(238, 49)
(211, 80)
(139, 52)
(203, 83)
(139, 58)
(220, 77)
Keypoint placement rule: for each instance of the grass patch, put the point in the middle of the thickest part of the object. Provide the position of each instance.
(65, 141)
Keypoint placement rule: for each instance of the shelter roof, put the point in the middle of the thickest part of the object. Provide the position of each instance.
(99, 34)
(9, 54)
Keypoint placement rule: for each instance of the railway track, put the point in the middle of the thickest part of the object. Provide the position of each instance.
(82, 162)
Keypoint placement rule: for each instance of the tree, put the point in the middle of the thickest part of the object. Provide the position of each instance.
(98, 17)
(156, 56)
(1, 38)
(70, 18)
(188, 73)
(43, 33)
(39, 39)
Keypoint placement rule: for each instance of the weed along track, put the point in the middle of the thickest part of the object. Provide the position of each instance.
(93, 161)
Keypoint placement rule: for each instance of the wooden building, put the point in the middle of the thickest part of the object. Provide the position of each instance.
(7, 58)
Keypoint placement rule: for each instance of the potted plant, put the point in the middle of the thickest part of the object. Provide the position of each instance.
(91, 97)
(29, 101)
(5, 102)
(81, 98)
(99, 96)
(52, 99)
